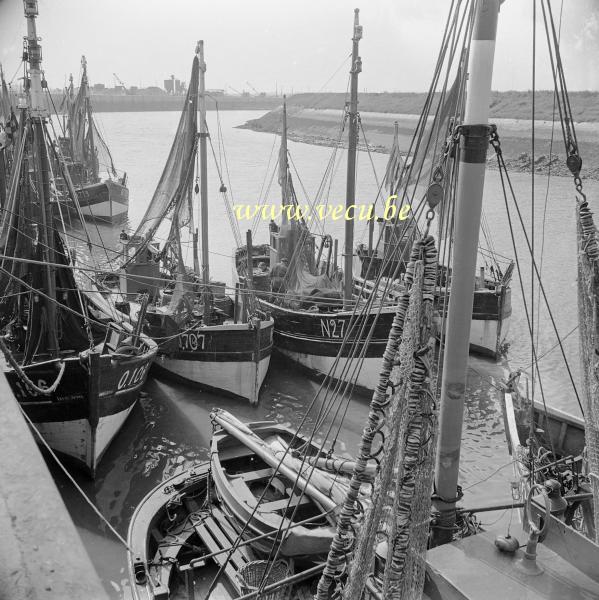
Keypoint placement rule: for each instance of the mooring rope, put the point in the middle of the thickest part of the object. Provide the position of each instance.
(24, 377)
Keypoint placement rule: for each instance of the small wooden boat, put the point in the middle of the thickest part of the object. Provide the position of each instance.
(257, 492)
(200, 522)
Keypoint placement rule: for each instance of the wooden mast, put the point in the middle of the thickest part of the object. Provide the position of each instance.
(474, 141)
(204, 189)
(38, 113)
(350, 197)
(284, 166)
(90, 121)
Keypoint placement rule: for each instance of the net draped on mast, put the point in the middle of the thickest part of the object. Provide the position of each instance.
(406, 422)
(177, 177)
(588, 321)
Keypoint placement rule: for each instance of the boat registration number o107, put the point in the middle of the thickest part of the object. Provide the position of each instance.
(190, 341)
(332, 328)
(131, 378)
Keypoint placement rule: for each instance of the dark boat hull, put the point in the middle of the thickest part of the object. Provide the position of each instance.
(105, 202)
(316, 341)
(89, 406)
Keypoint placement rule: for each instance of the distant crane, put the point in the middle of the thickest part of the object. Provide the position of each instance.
(118, 80)
(253, 88)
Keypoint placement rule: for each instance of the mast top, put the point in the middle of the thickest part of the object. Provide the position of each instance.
(30, 7)
(200, 54)
(357, 27)
(34, 58)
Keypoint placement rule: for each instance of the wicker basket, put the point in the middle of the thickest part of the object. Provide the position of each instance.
(251, 574)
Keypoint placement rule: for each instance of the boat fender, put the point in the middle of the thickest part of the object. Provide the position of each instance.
(139, 570)
(507, 543)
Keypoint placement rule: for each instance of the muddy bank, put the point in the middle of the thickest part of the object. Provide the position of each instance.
(323, 127)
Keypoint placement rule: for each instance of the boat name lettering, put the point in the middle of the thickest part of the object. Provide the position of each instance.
(332, 328)
(192, 341)
(130, 378)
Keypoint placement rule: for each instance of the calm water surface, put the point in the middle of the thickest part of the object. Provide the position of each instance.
(170, 428)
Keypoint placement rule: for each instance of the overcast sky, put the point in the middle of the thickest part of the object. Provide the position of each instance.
(292, 44)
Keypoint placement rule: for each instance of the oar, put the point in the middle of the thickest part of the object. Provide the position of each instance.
(247, 437)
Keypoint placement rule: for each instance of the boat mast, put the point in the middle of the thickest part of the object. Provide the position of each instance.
(283, 167)
(474, 141)
(38, 113)
(204, 188)
(90, 122)
(350, 197)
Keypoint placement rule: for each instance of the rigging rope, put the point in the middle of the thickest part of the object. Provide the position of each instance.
(381, 409)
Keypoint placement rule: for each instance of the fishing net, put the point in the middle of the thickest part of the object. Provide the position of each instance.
(405, 422)
(588, 293)
(176, 179)
(5, 103)
(103, 153)
(77, 117)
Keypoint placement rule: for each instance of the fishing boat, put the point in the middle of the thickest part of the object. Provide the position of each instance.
(75, 369)
(102, 193)
(385, 259)
(200, 342)
(322, 320)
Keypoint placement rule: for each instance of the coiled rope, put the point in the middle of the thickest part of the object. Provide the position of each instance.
(24, 377)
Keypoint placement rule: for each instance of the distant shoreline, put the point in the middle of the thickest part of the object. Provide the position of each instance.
(321, 126)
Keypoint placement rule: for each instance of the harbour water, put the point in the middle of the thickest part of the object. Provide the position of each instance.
(170, 428)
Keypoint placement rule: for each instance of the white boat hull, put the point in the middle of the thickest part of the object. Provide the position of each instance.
(77, 439)
(243, 379)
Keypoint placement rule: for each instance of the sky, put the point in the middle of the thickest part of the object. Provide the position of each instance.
(286, 45)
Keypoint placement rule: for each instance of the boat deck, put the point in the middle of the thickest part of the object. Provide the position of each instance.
(474, 568)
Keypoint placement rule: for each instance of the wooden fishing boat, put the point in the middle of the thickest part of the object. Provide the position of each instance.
(261, 497)
(386, 260)
(86, 154)
(201, 342)
(200, 521)
(75, 368)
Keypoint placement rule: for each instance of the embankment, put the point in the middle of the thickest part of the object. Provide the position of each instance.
(313, 118)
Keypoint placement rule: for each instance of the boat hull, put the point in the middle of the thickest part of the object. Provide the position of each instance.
(105, 202)
(230, 358)
(230, 472)
(491, 314)
(89, 406)
(316, 341)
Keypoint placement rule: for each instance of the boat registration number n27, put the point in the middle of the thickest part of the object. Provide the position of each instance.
(332, 328)
(190, 341)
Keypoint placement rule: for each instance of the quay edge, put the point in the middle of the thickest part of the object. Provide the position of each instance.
(41, 554)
